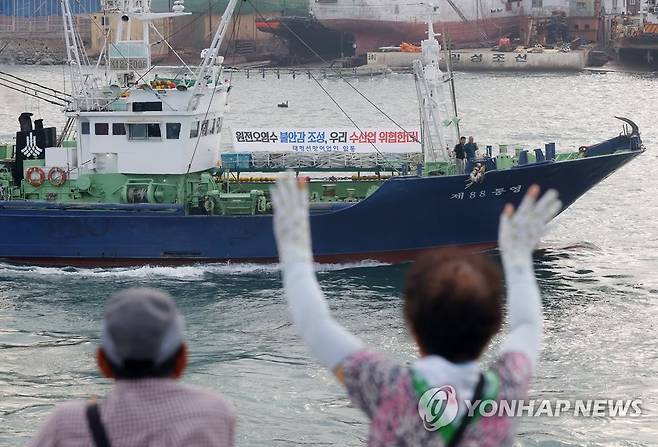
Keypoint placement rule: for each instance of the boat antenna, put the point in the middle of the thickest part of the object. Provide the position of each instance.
(447, 44)
(430, 85)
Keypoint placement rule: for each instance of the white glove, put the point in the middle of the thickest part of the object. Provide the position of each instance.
(520, 232)
(291, 220)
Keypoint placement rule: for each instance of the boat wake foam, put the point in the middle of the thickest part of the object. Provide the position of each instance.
(182, 273)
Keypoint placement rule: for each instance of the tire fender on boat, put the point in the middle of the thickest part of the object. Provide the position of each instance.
(477, 176)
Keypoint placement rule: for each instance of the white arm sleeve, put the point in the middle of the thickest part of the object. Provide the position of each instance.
(525, 317)
(329, 342)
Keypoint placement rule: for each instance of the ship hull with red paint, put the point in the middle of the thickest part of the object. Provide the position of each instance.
(369, 35)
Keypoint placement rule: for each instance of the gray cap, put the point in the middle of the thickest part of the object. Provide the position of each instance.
(141, 325)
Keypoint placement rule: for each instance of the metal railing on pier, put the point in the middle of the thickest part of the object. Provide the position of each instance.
(317, 73)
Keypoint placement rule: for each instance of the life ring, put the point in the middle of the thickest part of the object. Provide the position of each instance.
(57, 176)
(35, 176)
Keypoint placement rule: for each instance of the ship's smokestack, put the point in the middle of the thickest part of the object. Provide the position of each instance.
(25, 121)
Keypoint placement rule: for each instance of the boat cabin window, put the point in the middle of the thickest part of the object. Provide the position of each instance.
(101, 129)
(194, 130)
(173, 131)
(204, 128)
(211, 127)
(85, 128)
(218, 125)
(151, 106)
(118, 129)
(144, 132)
(153, 131)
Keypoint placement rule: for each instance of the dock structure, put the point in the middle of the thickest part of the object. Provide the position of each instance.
(489, 60)
(310, 73)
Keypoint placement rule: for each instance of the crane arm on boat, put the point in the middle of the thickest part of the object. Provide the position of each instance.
(212, 53)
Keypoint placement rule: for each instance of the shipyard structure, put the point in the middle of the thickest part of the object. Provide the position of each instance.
(280, 32)
(32, 29)
(633, 35)
(378, 23)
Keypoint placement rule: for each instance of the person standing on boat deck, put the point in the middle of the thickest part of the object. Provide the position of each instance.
(143, 349)
(471, 149)
(452, 306)
(460, 155)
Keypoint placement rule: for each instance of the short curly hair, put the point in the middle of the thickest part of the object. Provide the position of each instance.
(454, 303)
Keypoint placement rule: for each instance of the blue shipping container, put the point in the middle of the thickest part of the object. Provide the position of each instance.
(236, 162)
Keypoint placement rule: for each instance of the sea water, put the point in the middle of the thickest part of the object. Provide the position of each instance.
(598, 271)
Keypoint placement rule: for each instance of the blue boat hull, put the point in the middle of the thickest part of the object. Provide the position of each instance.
(404, 217)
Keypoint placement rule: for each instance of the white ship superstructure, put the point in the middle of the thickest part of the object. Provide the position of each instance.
(133, 117)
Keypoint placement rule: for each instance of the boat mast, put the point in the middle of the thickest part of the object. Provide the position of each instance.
(77, 58)
(438, 109)
(211, 56)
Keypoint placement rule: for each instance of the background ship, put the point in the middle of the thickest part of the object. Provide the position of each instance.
(266, 29)
(464, 23)
(379, 23)
(635, 35)
(306, 36)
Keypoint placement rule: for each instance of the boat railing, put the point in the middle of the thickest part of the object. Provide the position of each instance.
(321, 161)
(566, 156)
(176, 209)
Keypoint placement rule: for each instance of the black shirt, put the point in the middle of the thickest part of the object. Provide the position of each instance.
(460, 153)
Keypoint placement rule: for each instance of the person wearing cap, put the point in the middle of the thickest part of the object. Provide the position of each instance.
(143, 350)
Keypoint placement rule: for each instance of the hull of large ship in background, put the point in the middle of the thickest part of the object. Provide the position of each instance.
(369, 35)
(380, 23)
(306, 37)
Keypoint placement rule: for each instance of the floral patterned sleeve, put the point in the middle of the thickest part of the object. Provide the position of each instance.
(370, 379)
(515, 372)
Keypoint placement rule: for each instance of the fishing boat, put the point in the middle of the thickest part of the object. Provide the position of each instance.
(136, 176)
